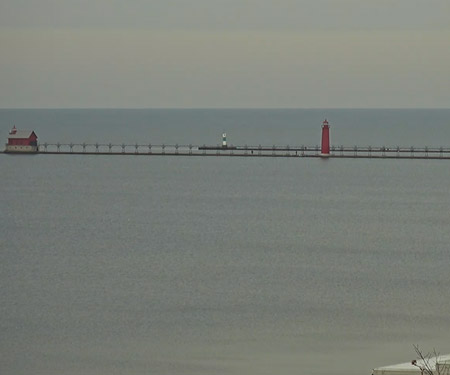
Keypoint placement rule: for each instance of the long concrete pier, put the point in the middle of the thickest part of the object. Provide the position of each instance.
(365, 152)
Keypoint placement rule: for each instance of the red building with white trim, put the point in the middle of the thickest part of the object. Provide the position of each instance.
(22, 141)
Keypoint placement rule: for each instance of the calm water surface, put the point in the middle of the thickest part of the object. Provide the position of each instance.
(172, 265)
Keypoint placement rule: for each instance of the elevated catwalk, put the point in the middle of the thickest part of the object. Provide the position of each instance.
(355, 152)
(225, 149)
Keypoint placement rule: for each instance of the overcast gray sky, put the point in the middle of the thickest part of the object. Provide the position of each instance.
(225, 53)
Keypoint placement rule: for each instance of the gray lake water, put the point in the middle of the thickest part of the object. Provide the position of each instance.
(178, 265)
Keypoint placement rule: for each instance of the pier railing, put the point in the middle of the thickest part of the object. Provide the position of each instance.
(246, 150)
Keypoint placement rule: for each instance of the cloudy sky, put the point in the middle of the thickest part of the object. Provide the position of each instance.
(224, 53)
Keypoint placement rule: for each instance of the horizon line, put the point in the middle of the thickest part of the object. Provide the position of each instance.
(226, 108)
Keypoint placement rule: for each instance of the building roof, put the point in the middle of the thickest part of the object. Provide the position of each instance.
(409, 369)
(21, 134)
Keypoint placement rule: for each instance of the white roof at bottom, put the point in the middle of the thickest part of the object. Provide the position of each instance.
(408, 368)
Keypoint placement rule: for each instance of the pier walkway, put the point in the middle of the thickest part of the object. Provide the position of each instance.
(244, 151)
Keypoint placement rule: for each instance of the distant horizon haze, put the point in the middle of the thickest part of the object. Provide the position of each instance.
(233, 54)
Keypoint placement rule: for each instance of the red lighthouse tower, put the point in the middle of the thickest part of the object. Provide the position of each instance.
(325, 150)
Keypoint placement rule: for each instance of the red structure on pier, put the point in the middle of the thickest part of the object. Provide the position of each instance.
(21, 141)
(325, 150)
